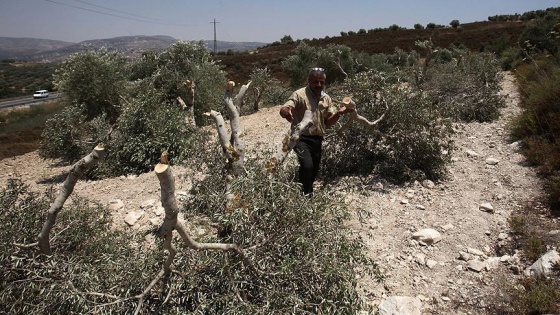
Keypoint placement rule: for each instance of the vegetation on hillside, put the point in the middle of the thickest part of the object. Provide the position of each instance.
(22, 78)
(310, 260)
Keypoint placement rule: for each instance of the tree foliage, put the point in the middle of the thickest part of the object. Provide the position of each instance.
(135, 120)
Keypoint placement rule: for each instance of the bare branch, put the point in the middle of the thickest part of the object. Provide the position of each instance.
(354, 116)
(290, 140)
(66, 190)
(238, 100)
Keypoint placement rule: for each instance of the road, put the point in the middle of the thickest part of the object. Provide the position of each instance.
(28, 100)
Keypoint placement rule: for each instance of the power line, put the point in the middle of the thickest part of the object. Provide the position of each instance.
(120, 16)
(114, 10)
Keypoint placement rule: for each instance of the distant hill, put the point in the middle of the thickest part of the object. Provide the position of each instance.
(52, 50)
(14, 47)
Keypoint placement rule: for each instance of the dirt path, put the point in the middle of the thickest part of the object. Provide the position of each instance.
(385, 218)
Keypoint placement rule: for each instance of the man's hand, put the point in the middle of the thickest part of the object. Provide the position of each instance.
(286, 113)
(345, 110)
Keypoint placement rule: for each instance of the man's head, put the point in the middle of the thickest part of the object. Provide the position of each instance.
(316, 80)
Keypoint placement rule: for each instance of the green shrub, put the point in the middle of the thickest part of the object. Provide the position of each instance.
(466, 89)
(536, 296)
(145, 129)
(411, 142)
(308, 256)
(93, 82)
(539, 124)
(100, 261)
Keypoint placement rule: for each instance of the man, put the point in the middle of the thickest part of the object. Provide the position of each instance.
(308, 149)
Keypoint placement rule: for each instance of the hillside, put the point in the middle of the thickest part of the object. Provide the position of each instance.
(51, 50)
(461, 274)
(14, 47)
(475, 36)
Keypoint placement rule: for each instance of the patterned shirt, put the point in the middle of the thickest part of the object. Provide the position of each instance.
(304, 99)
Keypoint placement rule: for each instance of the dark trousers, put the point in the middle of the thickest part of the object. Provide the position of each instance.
(308, 151)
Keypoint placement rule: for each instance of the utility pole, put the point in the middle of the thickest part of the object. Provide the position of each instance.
(215, 42)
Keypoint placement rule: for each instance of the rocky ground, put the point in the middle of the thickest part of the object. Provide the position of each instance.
(457, 269)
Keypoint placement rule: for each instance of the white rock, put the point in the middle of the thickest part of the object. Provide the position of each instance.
(492, 263)
(404, 201)
(464, 256)
(400, 305)
(543, 265)
(476, 252)
(159, 211)
(554, 232)
(427, 236)
(420, 207)
(486, 207)
(431, 263)
(516, 146)
(115, 205)
(155, 221)
(492, 161)
(420, 258)
(132, 217)
(476, 265)
(428, 184)
(447, 227)
(505, 258)
(471, 153)
(502, 236)
(148, 204)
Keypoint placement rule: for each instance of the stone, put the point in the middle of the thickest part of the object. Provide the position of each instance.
(486, 207)
(132, 217)
(428, 184)
(476, 265)
(464, 256)
(400, 305)
(115, 205)
(476, 252)
(471, 153)
(502, 236)
(492, 263)
(420, 207)
(447, 227)
(427, 236)
(543, 266)
(431, 263)
(148, 204)
(404, 201)
(492, 161)
(159, 211)
(420, 258)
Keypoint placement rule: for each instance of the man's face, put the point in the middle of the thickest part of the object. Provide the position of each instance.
(317, 82)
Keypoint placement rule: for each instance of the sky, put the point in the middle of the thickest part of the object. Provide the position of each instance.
(237, 21)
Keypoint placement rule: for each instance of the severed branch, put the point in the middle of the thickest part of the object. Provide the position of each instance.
(68, 187)
(171, 223)
(354, 116)
(238, 100)
(289, 141)
(232, 145)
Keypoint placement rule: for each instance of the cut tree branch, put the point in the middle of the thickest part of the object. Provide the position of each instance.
(67, 188)
(290, 140)
(354, 116)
